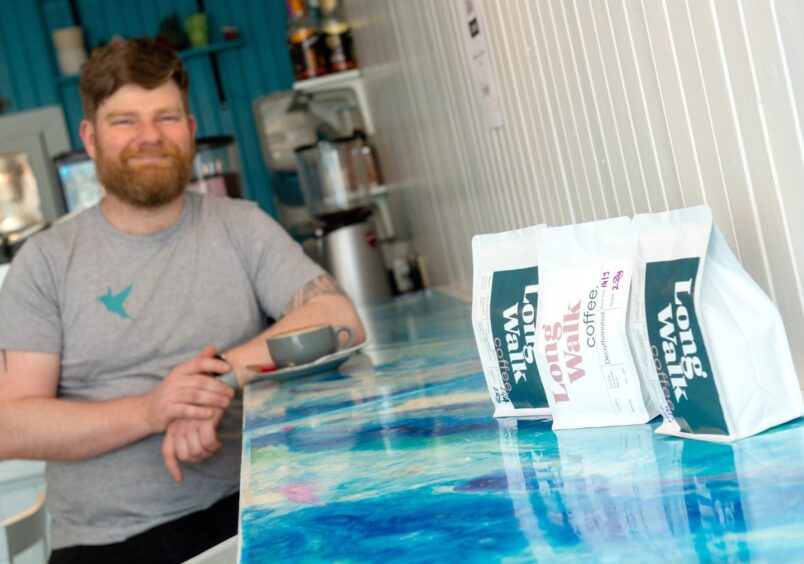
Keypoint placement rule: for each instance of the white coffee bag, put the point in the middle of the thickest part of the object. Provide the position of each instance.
(583, 354)
(504, 299)
(711, 340)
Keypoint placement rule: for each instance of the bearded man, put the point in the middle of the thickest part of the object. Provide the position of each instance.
(112, 321)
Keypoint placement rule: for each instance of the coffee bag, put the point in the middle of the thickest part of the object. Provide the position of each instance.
(583, 353)
(706, 334)
(504, 303)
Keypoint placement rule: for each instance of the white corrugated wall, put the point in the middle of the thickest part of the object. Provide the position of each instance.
(610, 108)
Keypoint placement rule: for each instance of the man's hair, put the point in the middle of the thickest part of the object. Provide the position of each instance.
(140, 61)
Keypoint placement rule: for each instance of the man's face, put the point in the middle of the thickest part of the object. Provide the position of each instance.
(143, 144)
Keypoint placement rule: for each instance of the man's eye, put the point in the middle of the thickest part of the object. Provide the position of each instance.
(169, 119)
(122, 122)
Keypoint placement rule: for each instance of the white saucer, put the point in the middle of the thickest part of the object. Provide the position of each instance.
(323, 364)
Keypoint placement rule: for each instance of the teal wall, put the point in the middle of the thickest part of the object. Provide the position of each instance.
(29, 75)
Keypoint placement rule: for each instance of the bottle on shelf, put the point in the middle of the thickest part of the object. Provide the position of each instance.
(337, 33)
(314, 12)
(307, 51)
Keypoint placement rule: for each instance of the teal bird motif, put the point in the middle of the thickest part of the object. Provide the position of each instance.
(114, 302)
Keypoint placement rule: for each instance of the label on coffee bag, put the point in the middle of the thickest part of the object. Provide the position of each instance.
(512, 309)
(678, 347)
(587, 361)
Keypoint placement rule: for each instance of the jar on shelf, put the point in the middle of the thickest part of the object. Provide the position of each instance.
(337, 33)
(307, 50)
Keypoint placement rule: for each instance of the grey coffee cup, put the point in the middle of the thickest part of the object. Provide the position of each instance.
(302, 346)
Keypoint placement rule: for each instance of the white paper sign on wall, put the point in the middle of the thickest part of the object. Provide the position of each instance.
(474, 30)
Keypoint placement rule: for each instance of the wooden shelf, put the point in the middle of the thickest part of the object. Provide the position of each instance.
(185, 54)
(212, 48)
(328, 81)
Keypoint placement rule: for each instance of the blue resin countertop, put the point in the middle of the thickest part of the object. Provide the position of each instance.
(396, 457)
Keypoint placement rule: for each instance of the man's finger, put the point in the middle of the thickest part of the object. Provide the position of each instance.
(201, 365)
(209, 351)
(185, 411)
(205, 365)
(169, 456)
(198, 382)
(209, 439)
(181, 447)
(202, 398)
(196, 449)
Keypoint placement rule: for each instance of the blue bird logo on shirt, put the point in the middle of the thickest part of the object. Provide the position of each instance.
(114, 302)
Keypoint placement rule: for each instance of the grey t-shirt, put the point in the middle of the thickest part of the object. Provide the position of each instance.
(122, 311)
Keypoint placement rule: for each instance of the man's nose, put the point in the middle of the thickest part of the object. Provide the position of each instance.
(149, 132)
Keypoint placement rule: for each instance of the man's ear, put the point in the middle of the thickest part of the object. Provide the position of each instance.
(87, 132)
(193, 125)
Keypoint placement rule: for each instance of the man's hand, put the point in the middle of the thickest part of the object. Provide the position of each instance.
(190, 440)
(188, 392)
(195, 439)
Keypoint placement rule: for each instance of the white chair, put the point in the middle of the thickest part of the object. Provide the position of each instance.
(27, 528)
(223, 553)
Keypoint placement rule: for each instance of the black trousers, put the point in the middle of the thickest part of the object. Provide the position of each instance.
(168, 543)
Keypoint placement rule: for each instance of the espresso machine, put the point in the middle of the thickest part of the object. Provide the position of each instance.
(329, 192)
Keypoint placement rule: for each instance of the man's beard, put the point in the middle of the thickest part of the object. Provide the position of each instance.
(148, 185)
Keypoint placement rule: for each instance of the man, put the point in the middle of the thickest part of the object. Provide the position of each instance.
(111, 322)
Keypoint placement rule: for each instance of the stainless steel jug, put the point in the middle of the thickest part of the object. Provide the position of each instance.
(352, 255)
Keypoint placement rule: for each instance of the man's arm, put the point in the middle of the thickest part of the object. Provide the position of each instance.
(35, 424)
(321, 301)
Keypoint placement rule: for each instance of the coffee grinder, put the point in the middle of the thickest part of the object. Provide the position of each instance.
(336, 179)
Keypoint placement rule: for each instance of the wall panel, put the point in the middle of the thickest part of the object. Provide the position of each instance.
(610, 108)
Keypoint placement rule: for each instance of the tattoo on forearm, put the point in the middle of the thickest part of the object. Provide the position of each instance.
(324, 285)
